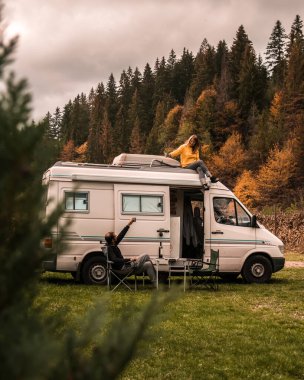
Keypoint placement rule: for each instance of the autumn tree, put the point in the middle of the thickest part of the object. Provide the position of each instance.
(246, 189)
(230, 161)
(274, 179)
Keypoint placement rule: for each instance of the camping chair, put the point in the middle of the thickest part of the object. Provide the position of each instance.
(120, 275)
(205, 273)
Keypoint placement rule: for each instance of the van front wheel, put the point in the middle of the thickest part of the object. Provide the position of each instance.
(94, 271)
(257, 269)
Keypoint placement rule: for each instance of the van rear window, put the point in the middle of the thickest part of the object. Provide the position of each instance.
(142, 204)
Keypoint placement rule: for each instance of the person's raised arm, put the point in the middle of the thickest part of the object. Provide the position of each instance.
(123, 232)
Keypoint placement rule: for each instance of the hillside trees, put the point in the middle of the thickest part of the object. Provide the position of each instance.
(220, 92)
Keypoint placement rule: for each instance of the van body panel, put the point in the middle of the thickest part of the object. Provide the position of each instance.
(143, 237)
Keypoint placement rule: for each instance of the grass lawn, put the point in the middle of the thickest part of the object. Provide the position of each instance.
(239, 332)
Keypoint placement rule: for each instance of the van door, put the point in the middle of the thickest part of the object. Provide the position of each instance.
(230, 231)
(150, 205)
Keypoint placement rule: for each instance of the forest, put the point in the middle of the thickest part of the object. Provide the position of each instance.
(247, 110)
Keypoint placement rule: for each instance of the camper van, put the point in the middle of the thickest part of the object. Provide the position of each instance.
(176, 219)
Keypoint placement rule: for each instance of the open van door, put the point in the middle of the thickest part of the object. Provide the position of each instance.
(230, 231)
(150, 205)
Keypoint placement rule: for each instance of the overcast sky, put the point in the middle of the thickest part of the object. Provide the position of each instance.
(68, 46)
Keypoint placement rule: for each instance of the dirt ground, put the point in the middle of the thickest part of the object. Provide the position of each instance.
(294, 264)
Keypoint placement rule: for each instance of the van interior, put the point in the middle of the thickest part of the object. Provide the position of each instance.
(188, 205)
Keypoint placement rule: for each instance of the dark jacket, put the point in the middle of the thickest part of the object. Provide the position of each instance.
(114, 253)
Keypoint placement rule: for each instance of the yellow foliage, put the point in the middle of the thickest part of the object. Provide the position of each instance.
(208, 93)
(276, 104)
(231, 106)
(246, 189)
(68, 151)
(82, 149)
(274, 177)
(230, 161)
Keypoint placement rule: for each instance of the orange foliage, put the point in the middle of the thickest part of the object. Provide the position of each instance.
(276, 105)
(82, 152)
(274, 177)
(230, 161)
(68, 151)
(208, 93)
(246, 189)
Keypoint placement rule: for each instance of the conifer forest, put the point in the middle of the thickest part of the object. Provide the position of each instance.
(247, 110)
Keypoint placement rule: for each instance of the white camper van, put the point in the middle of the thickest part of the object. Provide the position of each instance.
(162, 196)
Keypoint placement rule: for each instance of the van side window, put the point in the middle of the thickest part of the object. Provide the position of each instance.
(142, 204)
(76, 201)
(229, 211)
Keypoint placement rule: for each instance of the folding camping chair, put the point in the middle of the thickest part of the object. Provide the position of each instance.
(205, 273)
(120, 275)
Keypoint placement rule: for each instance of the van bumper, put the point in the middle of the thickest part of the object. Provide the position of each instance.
(278, 263)
(50, 263)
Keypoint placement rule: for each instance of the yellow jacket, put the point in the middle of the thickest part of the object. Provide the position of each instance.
(186, 154)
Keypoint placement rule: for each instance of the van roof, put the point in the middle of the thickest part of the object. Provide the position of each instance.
(160, 172)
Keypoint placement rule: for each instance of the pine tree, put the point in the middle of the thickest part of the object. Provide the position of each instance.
(204, 69)
(182, 75)
(111, 95)
(296, 34)
(106, 137)
(275, 55)
(241, 45)
(146, 96)
(94, 153)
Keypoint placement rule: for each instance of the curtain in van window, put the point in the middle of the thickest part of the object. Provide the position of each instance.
(151, 204)
(131, 203)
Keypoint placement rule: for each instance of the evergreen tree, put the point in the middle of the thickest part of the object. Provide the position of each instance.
(111, 94)
(106, 137)
(146, 96)
(241, 45)
(296, 34)
(182, 75)
(275, 54)
(96, 116)
(66, 124)
(204, 69)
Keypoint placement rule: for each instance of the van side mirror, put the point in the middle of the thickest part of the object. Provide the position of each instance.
(254, 221)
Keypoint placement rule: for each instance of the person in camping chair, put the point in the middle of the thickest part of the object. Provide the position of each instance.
(142, 263)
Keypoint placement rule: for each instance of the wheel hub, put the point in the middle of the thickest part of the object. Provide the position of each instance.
(98, 272)
(257, 270)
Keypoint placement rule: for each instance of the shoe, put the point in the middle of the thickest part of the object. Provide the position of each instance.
(214, 179)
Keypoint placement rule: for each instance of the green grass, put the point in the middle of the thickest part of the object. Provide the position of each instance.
(239, 332)
(294, 256)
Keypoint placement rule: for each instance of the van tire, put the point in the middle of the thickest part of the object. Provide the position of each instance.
(257, 269)
(94, 271)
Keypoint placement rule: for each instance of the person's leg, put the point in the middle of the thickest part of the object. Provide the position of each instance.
(144, 264)
(202, 170)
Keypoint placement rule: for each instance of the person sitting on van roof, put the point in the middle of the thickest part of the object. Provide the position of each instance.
(142, 263)
(189, 157)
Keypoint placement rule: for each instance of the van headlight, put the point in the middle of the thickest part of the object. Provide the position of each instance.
(281, 248)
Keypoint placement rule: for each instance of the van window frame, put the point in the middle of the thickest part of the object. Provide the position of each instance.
(86, 211)
(235, 203)
(144, 212)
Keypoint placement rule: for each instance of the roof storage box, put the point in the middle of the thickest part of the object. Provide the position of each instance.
(127, 159)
